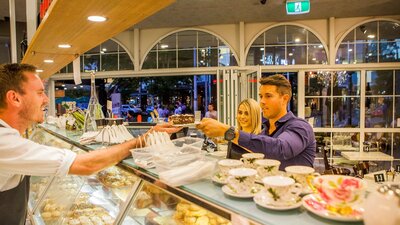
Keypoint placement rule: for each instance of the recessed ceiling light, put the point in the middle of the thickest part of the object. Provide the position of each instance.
(62, 85)
(48, 61)
(371, 36)
(101, 52)
(97, 18)
(261, 49)
(39, 71)
(65, 88)
(104, 49)
(313, 59)
(297, 40)
(290, 54)
(320, 46)
(350, 50)
(64, 46)
(164, 46)
(74, 87)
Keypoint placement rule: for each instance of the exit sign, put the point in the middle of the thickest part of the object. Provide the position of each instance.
(294, 7)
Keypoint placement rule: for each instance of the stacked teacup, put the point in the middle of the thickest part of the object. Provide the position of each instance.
(224, 166)
(303, 175)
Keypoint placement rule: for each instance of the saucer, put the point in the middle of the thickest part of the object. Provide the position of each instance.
(264, 200)
(316, 205)
(217, 178)
(229, 191)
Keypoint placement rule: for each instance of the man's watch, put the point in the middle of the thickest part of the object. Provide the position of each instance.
(230, 134)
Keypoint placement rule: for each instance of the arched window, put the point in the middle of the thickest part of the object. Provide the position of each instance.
(372, 42)
(286, 45)
(189, 48)
(108, 56)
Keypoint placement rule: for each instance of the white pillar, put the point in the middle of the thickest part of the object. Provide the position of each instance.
(13, 33)
(331, 47)
(136, 49)
(31, 15)
(242, 57)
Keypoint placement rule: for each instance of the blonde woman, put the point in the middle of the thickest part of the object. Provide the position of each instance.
(249, 116)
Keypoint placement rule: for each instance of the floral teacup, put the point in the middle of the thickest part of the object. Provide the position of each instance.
(340, 192)
(303, 175)
(242, 180)
(283, 190)
(267, 167)
(225, 165)
(249, 159)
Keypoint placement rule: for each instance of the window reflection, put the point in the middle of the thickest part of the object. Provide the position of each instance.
(363, 44)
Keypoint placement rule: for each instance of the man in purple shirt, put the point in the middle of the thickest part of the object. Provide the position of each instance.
(286, 137)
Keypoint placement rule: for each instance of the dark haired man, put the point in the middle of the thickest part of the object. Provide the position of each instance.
(286, 137)
(22, 104)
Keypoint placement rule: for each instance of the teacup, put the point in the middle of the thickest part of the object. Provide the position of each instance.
(249, 159)
(267, 167)
(242, 180)
(303, 175)
(283, 190)
(225, 165)
(340, 192)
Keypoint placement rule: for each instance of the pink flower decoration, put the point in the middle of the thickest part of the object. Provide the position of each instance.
(348, 183)
(342, 194)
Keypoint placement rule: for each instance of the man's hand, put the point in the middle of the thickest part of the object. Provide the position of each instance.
(212, 128)
(165, 128)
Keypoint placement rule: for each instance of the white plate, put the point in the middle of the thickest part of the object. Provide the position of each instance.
(316, 205)
(264, 200)
(227, 190)
(218, 180)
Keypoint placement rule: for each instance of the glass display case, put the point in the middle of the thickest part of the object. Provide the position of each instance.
(127, 194)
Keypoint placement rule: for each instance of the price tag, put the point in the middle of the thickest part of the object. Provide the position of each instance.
(398, 168)
(380, 177)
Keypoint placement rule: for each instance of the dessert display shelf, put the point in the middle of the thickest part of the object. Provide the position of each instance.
(128, 194)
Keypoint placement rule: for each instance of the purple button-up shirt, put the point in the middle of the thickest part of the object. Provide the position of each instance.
(292, 143)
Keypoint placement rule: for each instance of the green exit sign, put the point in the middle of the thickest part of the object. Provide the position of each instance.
(297, 7)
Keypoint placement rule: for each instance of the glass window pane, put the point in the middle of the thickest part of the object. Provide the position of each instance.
(346, 83)
(207, 40)
(397, 113)
(187, 39)
(345, 141)
(275, 56)
(150, 62)
(320, 110)
(397, 82)
(296, 55)
(168, 42)
(346, 112)
(232, 61)
(296, 35)
(70, 68)
(275, 36)
(167, 59)
(208, 57)
(95, 50)
(378, 111)
(92, 63)
(255, 56)
(317, 84)
(125, 62)
(380, 82)
(379, 141)
(345, 54)
(389, 31)
(110, 46)
(259, 41)
(349, 37)
(316, 54)
(389, 51)
(312, 39)
(366, 52)
(224, 58)
(187, 58)
(109, 62)
(367, 32)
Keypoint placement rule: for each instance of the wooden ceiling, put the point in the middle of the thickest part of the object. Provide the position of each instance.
(66, 23)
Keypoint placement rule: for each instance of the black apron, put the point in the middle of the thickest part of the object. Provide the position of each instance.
(14, 203)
